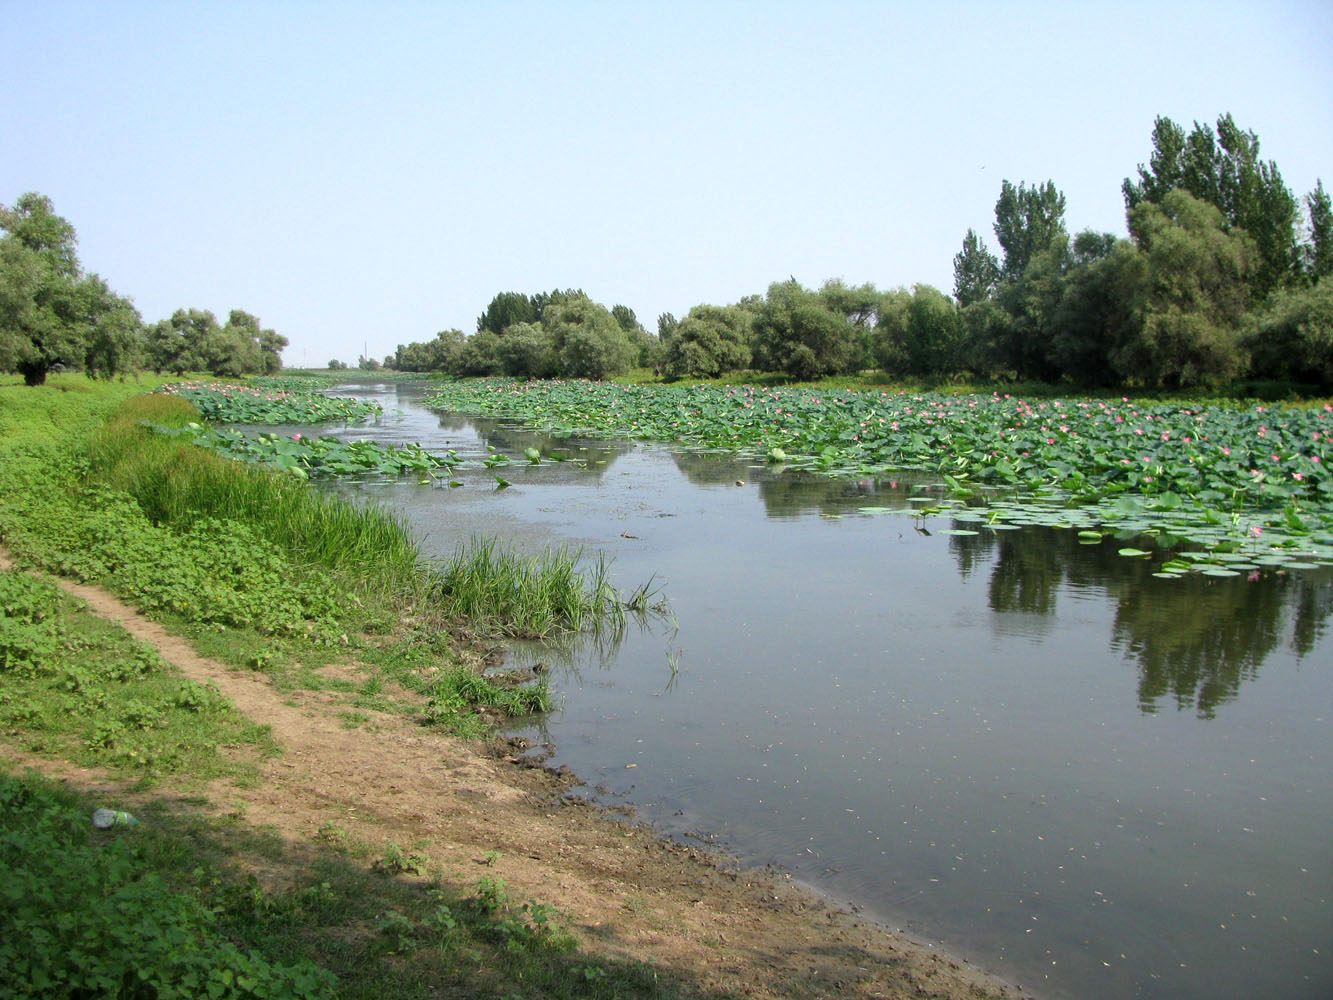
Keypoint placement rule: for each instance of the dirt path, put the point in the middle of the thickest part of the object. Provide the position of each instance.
(631, 893)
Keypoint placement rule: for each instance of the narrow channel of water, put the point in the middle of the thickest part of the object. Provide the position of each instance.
(1088, 780)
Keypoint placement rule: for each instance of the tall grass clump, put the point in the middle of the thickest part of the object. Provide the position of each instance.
(178, 484)
(526, 596)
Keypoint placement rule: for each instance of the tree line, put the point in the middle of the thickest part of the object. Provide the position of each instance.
(54, 316)
(1222, 277)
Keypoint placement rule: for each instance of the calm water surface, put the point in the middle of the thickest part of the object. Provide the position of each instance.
(1029, 751)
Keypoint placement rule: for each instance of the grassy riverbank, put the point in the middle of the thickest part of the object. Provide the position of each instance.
(316, 597)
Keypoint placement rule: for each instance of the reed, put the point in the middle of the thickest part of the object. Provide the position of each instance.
(526, 596)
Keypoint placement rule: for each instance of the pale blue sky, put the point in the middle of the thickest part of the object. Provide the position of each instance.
(373, 173)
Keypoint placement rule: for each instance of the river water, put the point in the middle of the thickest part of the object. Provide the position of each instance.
(1025, 750)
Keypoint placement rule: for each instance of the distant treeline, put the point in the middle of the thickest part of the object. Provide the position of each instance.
(1221, 278)
(53, 315)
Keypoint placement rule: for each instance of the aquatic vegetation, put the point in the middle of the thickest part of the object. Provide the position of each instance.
(1214, 470)
(306, 456)
(536, 596)
(270, 401)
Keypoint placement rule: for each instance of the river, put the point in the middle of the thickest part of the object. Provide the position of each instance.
(1023, 749)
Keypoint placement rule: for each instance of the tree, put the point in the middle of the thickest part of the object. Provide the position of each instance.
(666, 328)
(795, 332)
(1027, 221)
(1223, 168)
(921, 333)
(528, 351)
(1023, 340)
(1292, 338)
(478, 356)
(587, 338)
(270, 344)
(624, 315)
(114, 342)
(440, 354)
(1190, 287)
(506, 309)
(1319, 252)
(709, 341)
(976, 272)
(46, 305)
(337, 366)
(1097, 309)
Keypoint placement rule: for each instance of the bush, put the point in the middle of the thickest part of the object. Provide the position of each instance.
(1292, 339)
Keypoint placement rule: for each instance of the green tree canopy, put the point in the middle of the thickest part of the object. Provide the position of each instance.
(710, 341)
(797, 333)
(976, 272)
(527, 350)
(1292, 338)
(589, 341)
(1027, 221)
(1319, 252)
(921, 333)
(1191, 293)
(1224, 169)
(51, 313)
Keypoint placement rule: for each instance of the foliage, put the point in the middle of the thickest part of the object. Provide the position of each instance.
(214, 571)
(192, 340)
(1319, 252)
(86, 915)
(440, 354)
(275, 402)
(1223, 169)
(77, 685)
(1027, 221)
(1194, 292)
(506, 309)
(710, 341)
(1293, 337)
(587, 339)
(976, 272)
(921, 333)
(479, 356)
(796, 332)
(527, 351)
(51, 313)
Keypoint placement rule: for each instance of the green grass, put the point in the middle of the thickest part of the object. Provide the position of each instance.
(527, 596)
(175, 484)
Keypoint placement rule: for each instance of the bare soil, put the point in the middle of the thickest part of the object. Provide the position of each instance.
(629, 892)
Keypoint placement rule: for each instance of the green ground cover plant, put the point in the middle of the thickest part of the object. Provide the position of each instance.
(87, 914)
(1223, 473)
(171, 907)
(78, 686)
(269, 401)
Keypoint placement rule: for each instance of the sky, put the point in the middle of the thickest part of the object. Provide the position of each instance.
(364, 175)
